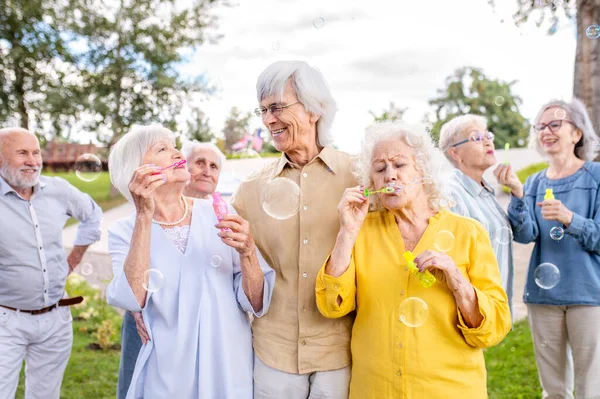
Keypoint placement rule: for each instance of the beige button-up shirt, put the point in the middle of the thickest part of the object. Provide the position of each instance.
(293, 336)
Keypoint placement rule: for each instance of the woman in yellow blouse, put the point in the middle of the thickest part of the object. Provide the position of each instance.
(366, 272)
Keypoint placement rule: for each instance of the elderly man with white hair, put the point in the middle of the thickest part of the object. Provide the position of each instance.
(469, 146)
(204, 163)
(299, 353)
(35, 321)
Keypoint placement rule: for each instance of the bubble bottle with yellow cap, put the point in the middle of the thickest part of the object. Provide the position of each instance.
(426, 278)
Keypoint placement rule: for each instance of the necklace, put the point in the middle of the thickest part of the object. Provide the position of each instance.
(185, 212)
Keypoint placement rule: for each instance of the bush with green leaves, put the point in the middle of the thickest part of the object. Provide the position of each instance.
(527, 171)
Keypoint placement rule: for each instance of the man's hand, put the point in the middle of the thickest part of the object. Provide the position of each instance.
(75, 256)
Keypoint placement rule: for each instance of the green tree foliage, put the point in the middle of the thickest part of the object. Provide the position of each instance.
(236, 127)
(36, 68)
(469, 91)
(198, 128)
(130, 64)
(391, 114)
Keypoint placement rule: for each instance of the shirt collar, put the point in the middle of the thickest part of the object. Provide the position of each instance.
(327, 156)
(472, 186)
(6, 188)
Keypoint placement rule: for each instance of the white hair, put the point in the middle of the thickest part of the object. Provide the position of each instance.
(190, 147)
(429, 161)
(452, 129)
(128, 154)
(309, 86)
(576, 113)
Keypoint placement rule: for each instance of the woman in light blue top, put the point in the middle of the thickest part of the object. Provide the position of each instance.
(192, 277)
(469, 146)
(568, 313)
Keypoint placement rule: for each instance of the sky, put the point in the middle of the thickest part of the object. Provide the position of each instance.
(378, 51)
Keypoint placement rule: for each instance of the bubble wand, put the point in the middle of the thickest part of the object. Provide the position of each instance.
(506, 148)
(175, 165)
(426, 278)
(390, 189)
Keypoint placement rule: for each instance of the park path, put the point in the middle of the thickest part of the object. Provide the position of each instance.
(98, 256)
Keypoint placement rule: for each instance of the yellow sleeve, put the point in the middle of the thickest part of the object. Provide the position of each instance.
(484, 275)
(328, 288)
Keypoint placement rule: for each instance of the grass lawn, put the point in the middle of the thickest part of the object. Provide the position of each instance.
(98, 189)
(512, 373)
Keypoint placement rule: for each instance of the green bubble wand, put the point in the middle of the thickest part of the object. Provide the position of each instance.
(506, 148)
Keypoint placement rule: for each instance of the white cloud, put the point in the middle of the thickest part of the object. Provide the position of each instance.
(379, 51)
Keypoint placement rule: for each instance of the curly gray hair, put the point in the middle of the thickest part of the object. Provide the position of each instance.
(433, 166)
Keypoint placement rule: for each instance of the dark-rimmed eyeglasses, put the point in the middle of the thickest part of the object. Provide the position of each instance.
(274, 109)
(554, 126)
(477, 138)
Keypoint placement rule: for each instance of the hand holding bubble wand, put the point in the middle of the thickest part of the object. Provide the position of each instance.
(425, 278)
(175, 165)
(556, 233)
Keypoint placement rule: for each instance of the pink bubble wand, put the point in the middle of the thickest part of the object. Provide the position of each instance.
(175, 165)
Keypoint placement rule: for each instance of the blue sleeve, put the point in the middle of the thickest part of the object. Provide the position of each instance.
(83, 208)
(587, 231)
(521, 214)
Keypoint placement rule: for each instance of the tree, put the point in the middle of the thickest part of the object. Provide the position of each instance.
(391, 114)
(585, 14)
(236, 127)
(198, 128)
(36, 65)
(468, 90)
(133, 51)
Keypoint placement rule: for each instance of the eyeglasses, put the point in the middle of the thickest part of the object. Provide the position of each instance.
(274, 109)
(477, 138)
(554, 126)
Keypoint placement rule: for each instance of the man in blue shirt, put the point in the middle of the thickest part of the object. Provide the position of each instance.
(35, 322)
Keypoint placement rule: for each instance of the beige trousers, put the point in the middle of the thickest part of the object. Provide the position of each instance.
(554, 329)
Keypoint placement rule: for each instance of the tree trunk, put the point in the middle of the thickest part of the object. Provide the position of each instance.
(586, 85)
(19, 89)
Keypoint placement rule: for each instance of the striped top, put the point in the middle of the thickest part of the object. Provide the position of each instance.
(479, 202)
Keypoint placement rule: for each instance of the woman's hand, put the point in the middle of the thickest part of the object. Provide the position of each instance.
(238, 236)
(432, 260)
(507, 177)
(353, 209)
(144, 181)
(555, 210)
(141, 327)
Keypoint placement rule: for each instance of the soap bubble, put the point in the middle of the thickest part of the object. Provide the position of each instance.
(88, 167)
(546, 276)
(154, 280)
(281, 198)
(521, 142)
(319, 22)
(215, 261)
(557, 233)
(413, 312)
(593, 31)
(499, 101)
(444, 241)
(87, 269)
(504, 235)
(544, 343)
(560, 113)
(276, 46)
(512, 349)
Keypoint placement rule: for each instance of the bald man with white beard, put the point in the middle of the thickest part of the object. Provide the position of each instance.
(35, 320)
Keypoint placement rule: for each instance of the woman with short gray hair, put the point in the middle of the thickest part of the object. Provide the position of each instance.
(469, 146)
(193, 276)
(382, 267)
(559, 209)
(205, 163)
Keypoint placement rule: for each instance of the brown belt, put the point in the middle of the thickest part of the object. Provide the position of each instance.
(62, 302)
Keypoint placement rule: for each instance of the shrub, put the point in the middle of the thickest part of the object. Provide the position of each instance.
(527, 171)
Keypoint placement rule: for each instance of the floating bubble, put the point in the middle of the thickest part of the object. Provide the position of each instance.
(544, 343)
(557, 233)
(87, 269)
(499, 101)
(512, 349)
(88, 167)
(521, 142)
(154, 280)
(276, 46)
(593, 31)
(215, 261)
(504, 235)
(444, 241)
(560, 113)
(281, 198)
(249, 161)
(413, 312)
(319, 22)
(546, 276)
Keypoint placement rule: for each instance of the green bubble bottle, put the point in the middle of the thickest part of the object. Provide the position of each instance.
(427, 279)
